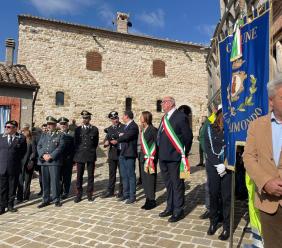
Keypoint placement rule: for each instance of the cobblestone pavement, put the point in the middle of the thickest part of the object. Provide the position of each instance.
(108, 223)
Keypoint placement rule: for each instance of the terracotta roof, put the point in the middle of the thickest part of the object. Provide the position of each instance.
(175, 42)
(17, 76)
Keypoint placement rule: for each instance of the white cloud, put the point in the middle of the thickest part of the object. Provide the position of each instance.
(50, 7)
(155, 18)
(206, 29)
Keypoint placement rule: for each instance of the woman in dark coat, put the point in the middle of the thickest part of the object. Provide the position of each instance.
(27, 168)
(219, 177)
(148, 159)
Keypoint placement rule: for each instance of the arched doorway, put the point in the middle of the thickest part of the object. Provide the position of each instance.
(188, 111)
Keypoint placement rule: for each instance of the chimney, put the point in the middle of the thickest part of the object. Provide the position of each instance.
(122, 22)
(10, 48)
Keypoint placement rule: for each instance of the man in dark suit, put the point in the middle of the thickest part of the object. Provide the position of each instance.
(112, 133)
(50, 151)
(170, 158)
(86, 140)
(68, 153)
(128, 155)
(12, 150)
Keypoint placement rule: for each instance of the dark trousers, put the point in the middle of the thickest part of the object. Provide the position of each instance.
(113, 165)
(201, 154)
(90, 183)
(174, 185)
(149, 182)
(23, 192)
(127, 166)
(40, 179)
(220, 196)
(51, 180)
(271, 228)
(66, 173)
(8, 186)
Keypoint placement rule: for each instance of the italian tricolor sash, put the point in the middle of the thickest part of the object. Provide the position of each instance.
(184, 165)
(149, 154)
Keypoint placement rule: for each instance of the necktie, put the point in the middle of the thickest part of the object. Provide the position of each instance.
(9, 140)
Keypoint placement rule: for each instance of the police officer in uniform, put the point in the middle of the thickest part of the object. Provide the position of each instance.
(112, 133)
(12, 150)
(50, 150)
(86, 139)
(68, 154)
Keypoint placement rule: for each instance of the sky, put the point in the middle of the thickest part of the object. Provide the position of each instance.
(183, 20)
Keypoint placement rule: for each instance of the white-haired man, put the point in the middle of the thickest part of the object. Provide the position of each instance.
(263, 162)
(174, 128)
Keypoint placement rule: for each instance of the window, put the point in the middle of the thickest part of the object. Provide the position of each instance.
(60, 98)
(128, 104)
(94, 61)
(158, 68)
(159, 105)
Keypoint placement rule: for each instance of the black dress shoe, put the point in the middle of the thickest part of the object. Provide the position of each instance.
(205, 215)
(212, 229)
(176, 217)
(122, 198)
(2, 211)
(77, 199)
(12, 209)
(150, 205)
(165, 213)
(58, 204)
(224, 235)
(64, 196)
(43, 204)
(107, 195)
(90, 198)
(130, 201)
(146, 203)
(39, 193)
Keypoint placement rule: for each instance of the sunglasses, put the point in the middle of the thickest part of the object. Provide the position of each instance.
(9, 127)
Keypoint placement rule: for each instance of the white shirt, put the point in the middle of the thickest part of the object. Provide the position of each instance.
(169, 113)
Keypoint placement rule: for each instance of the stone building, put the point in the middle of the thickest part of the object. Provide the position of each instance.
(230, 11)
(17, 90)
(81, 67)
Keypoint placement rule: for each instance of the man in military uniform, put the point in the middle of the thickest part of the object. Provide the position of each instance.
(50, 150)
(68, 154)
(86, 139)
(12, 150)
(112, 133)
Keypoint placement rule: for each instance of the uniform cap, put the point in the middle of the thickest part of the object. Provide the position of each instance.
(63, 120)
(113, 115)
(12, 122)
(51, 119)
(85, 114)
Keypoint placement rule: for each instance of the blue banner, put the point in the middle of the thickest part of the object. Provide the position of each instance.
(244, 82)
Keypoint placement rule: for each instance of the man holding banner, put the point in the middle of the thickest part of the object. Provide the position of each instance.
(174, 141)
(263, 162)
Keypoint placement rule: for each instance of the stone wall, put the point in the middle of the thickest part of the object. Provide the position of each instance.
(56, 56)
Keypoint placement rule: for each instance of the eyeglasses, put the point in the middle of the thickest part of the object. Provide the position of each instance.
(164, 101)
(9, 127)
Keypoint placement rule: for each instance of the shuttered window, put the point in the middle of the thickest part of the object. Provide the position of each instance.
(94, 61)
(159, 68)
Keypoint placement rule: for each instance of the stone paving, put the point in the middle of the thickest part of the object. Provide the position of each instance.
(108, 223)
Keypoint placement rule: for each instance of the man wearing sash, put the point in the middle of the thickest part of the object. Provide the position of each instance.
(174, 141)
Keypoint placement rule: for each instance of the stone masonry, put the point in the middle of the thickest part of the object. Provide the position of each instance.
(55, 53)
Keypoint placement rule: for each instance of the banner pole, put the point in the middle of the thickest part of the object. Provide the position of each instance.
(232, 209)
